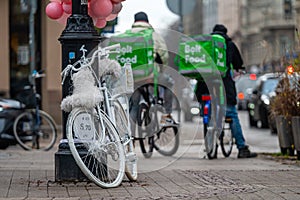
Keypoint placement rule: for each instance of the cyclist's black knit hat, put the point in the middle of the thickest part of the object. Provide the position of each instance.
(220, 28)
(141, 16)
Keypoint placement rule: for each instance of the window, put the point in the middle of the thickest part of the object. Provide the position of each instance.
(19, 44)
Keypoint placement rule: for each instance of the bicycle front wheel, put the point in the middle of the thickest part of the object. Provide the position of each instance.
(146, 138)
(124, 131)
(210, 141)
(96, 147)
(35, 130)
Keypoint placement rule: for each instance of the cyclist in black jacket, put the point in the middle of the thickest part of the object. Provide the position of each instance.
(233, 61)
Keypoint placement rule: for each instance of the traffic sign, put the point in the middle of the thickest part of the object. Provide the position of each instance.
(186, 6)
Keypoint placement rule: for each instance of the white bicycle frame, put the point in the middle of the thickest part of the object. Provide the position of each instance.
(108, 98)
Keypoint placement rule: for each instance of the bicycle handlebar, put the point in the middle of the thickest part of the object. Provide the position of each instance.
(35, 74)
(38, 75)
(101, 52)
(83, 62)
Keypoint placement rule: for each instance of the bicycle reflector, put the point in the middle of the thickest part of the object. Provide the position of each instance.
(206, 97)
(290, 69)
(252, 77)
(206, 110)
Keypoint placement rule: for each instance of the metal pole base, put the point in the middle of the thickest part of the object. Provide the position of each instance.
(66, 169)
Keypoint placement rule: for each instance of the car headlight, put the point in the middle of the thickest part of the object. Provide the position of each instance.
(1, 109)
(265, 99)
(251, 106)
(195, 111)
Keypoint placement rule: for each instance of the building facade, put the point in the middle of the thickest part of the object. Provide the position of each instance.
(16, 42)
(268, 32)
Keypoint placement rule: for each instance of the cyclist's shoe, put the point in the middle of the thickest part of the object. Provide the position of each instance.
(246, 153)
(167, 120)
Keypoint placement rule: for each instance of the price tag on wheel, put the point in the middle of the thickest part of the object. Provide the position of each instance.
(84, 127)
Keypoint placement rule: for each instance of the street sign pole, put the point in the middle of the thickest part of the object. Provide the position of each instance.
(181, 9)
(33, 7)
(180, 27)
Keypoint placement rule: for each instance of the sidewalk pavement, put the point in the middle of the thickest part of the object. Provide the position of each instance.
(30, 175)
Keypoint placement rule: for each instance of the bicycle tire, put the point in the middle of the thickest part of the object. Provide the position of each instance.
(145, 139)
(210, 141)
(24, 128)
(104, 161)
(123, 130)
(166, 142)
(226, 141)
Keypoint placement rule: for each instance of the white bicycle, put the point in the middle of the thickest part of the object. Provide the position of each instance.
(98, 123)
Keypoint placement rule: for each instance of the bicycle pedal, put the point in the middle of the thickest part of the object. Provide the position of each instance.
(228, 120)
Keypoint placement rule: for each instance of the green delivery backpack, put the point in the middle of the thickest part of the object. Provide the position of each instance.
(137, 49)
(202, 55)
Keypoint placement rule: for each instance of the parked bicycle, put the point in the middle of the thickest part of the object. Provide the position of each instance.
(152, 134)
(35, 129)
(98, 122)
(216, 128)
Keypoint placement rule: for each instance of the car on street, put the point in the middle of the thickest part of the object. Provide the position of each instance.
(259, 102)
(190, 105)
(244, 87)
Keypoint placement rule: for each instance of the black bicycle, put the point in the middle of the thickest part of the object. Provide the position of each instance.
(151, 133)
(215, 125)
(34, 129)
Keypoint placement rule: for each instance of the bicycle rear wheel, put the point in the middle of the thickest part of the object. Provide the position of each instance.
(33, 136)
(123, 128)
(103, 160)
(226, 140)
(146, 138)
(210, 141)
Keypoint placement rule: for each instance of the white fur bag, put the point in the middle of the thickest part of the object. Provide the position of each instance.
(85, 93)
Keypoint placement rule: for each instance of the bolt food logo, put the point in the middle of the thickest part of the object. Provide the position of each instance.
(126, 55)
(193, 54)
(135, 55)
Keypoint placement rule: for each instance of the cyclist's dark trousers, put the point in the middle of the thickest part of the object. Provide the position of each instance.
(133, 109)
(167, 95)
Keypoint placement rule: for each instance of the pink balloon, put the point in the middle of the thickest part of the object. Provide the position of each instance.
(111, 17)
(54, 10)
(63, 19)
(116, 8)
(101, 8)
(117, 1)
(91, 13)
(67, 7)
(100, 23)
(66, 1)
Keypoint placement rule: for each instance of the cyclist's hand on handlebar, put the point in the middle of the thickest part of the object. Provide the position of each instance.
(237, 74)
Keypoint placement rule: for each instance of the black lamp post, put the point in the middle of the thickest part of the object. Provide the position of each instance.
(78, 31)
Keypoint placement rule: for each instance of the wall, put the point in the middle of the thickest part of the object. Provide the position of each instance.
(51, 62)
(4, 44)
